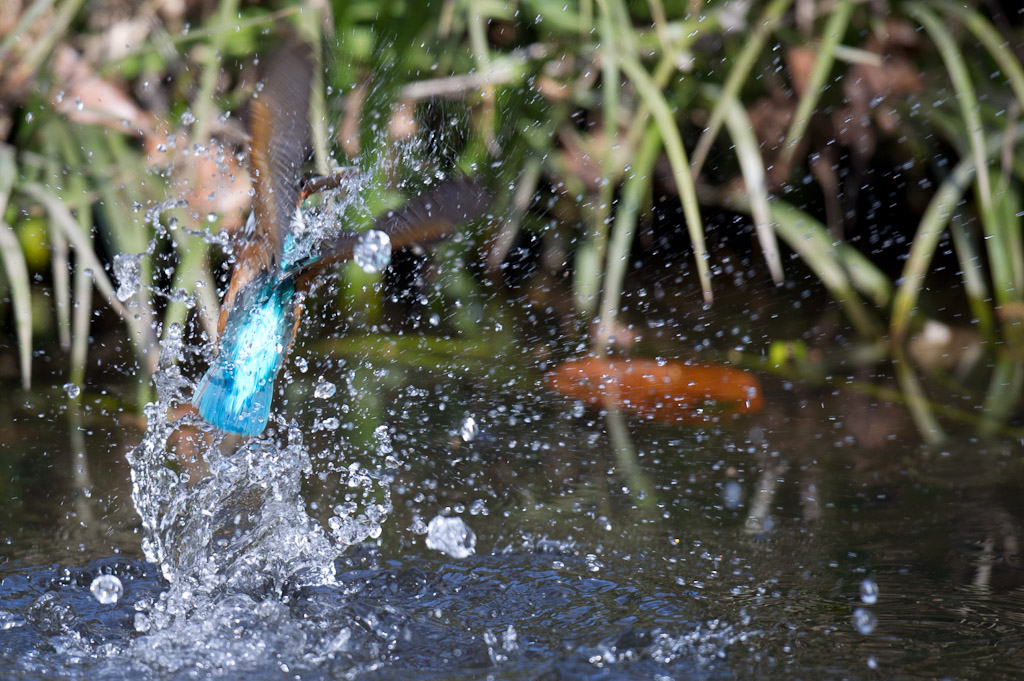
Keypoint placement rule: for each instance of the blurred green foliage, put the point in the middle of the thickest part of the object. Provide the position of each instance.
(589, 118)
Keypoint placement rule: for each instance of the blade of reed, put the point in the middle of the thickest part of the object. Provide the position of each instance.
(973, 270)
(939, 211)
(118, 168)
(58, 244)
(967, 101)
(916, 400)
(1005, 262)
(741, 130)
(16, 269)
(997, 46)
(28, 17)
(637, 184)
(739, 72)
(81, 294)
(60, 213)
(812, 241)
(41, 45)
(833, 34)
(1003, 394)
(590, 253)
(673, 145)
(60, 267)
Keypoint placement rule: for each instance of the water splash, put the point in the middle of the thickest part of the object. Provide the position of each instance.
(451, 536)
(233, 541)
(373, 251)
(128, 272)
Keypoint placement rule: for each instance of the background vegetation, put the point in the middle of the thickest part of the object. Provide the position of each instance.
(872, 144)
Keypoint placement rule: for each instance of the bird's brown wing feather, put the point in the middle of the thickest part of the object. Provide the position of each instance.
(427, 219)
(279, 135)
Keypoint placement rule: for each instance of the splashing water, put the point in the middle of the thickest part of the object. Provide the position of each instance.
(231, 543)
(106, 589)
(451, 536)
(128, 272)
(373, 251)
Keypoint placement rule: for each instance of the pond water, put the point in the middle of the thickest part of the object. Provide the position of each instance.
(815, 539)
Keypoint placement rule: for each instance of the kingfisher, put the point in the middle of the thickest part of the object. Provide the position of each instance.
(276, 264)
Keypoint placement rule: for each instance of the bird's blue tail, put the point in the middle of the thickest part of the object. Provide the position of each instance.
(236, 393)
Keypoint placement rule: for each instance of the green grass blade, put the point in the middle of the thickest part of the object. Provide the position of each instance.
(16, 269)
(925, 241)
(1001, 51)
(967, 100)
(973, 268)
(637, 184)
(835, 29)
(811, 240)
(917, 401)
(673, 144)
(21, 295)
(1003, 394)
(739, 72)
(60, 214)
(741, 130)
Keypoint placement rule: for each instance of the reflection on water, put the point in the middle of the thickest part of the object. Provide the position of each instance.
(769, 545)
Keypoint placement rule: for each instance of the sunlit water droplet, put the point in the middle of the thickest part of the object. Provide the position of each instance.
(469, 429)
(868, 592)
(106, 589)
(373, 252)
(72, 390)
(451, 536)
(732, 495)
(324, 390)
(864, 621)
(418, 526)
(128, 272)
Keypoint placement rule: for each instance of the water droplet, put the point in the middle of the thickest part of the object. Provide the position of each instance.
(451, 536)
(864, 621)
(142, 622)
(868, 592)
(28, 117)
(383, 437)
(128, 272)
(732, 495)
(301, 364)
(72, 390)
(324, 389)
(106, 589)
(469, 429)
(373, 252)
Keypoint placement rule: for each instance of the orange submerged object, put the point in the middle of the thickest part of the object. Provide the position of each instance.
(670, 391)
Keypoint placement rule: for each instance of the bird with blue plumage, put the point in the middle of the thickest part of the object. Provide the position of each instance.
(277, 260)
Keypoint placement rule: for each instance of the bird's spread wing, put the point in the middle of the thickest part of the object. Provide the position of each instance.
(280, 132)
(424, 220)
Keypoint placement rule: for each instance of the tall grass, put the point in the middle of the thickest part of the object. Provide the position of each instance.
(566, 109)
